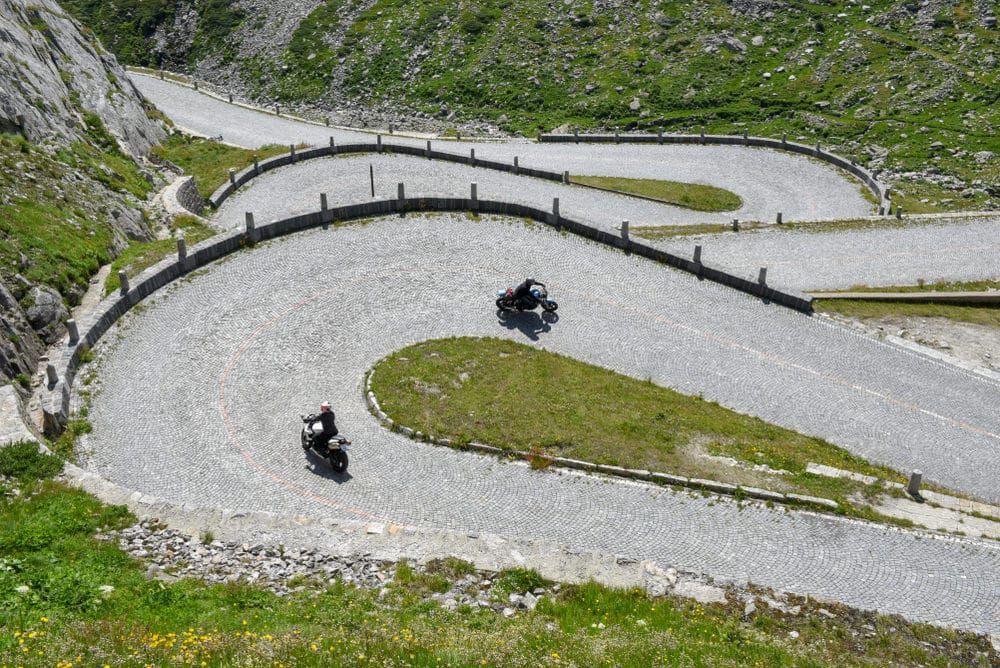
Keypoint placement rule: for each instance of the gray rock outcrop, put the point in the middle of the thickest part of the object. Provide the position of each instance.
(47, 313)
(58, 80)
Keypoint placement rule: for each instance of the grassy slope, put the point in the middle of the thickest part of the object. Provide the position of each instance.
(68, 598)
(58, 222)
(513, 396)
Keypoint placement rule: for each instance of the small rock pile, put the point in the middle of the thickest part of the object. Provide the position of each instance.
(172, 555)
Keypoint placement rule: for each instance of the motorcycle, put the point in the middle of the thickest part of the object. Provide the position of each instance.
(507, 302)
(335, 451)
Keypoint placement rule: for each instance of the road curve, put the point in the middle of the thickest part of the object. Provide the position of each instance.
(221, 364)
(201, 392)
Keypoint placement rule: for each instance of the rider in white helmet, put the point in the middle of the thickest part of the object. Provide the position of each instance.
(327, 419)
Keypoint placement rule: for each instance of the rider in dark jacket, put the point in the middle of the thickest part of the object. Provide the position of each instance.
(522, 293)
(327, 419)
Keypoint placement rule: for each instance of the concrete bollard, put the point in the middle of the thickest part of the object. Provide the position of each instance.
(427, 151)
(659, 134)
(378, 143)
(326, 121)
(256, 165)
(818, 148)
(697, 255)
(555, 210)
(616, 135)
(517, 170)
(565, 177)
(913, 486)
(472, 157)
(74, 331)
(230, 96)
(736, 224)
(899, 212)
(332, 142)
(232, 176)
(322, 202)
(123, 282)
(624, 230)
(703, 134)
(161, 74)
(746, 137)
(762, 276)
(277, 110)
(249, 223)
(50, 372)
(400, 193)
(196, 85)
(291, 151)
(181, 249)
(778, 220)
(784, 137)
(576, 135)
(475, 188)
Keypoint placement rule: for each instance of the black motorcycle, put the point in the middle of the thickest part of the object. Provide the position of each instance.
(335, 451)
(539, 297)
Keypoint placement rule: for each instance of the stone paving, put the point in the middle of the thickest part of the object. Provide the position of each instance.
(951, 250)
(209, 379)
(943, 249)
(768, 181)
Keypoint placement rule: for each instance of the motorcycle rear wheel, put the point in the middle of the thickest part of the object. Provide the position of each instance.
(549, 306)
(338, 461)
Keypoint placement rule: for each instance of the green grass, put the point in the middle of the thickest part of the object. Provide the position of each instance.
(693, 196)
(69, 598)
(209, 161)
(60, 224)
(140, 256)
(988, 316)
(657, 232)
(520, 398)
(985, 314)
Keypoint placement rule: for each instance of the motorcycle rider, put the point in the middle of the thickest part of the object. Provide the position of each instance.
(327, 420)
(522, 293)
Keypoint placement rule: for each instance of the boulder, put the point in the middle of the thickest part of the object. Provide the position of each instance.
(47, 313)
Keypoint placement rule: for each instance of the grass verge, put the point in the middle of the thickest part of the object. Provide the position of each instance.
(688, 195)
(70, 598)
(140, 256)
(859, 309)
(514, 396)
(209, 161)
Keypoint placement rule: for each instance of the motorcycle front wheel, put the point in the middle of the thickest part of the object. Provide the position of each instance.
(305, 441)
(501, 302)
(338, 461)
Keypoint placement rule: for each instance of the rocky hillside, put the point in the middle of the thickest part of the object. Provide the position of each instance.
(71, 130)
(911, 86)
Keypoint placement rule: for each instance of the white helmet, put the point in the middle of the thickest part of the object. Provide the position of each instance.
(325, 406)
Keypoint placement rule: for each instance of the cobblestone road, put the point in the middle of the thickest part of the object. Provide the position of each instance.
(220, 365)
(767, 181)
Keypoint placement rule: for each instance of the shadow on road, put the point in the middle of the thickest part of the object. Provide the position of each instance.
(529, 323)
(321, 467)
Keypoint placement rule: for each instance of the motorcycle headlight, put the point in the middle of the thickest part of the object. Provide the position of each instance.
(536, 294)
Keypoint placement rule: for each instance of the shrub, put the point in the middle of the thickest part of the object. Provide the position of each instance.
(24, 461)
